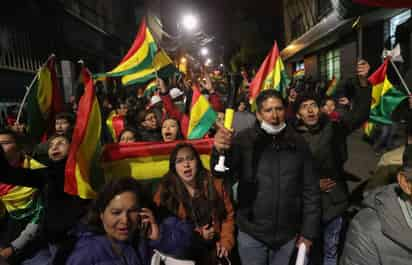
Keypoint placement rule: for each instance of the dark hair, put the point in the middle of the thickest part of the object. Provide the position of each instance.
(174, 193)
(326, 99)
(304, 97)
(65, 116)
(143, 114)
(14, 135)
(266, 94)
(54, 136)
(115, 187)
(127, 129)
(179, 135)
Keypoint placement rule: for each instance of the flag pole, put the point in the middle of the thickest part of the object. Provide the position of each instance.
(400, 76)
(28, 89)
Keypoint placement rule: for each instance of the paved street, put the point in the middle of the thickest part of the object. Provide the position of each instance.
(362, 159)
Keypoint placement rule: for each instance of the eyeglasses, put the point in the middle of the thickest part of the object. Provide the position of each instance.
(180, 160)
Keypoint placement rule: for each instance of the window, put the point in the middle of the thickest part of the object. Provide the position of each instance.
(393, 23)
(330, 65)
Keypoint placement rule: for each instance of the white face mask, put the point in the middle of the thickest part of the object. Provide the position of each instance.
(272, 129)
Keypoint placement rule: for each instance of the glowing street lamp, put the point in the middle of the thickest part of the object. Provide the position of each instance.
(208, 61)
(204, 51)
(190, 22)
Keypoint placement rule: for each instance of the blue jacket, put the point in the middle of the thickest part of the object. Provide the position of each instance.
(93, 249)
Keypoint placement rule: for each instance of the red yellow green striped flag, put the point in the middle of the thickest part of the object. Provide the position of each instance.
(146, 161)
(299, 73)
(85, 146)
(21, 202)
(44, 101)
(332, 87)
(271, 75)
(140, 55)
(115, 125)
(162, 66)
(150, 88)
(385, 97)
(202, 116)
(368, 128)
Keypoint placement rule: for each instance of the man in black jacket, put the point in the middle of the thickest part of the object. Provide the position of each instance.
(327, 141)
(278, 192)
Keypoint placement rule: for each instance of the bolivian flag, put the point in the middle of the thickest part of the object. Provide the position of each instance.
(85, 147)
(368, 128)
(385, 97)
(140, 55)
(146, 161)
(162, 66)
(299, 73)
(150, 88)
(115, 125)
(44, 101)
(271, 75)
(332, 87)
(21, 202)
(202, 116)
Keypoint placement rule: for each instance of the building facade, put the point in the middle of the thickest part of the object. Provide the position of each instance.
(97, 31)
(325, 38)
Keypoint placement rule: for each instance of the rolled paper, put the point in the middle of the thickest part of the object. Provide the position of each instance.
(300, 260)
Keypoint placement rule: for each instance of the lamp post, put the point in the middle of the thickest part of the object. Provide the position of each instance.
(204, 51)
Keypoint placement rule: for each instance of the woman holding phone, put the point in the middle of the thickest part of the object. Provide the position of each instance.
(120, 230)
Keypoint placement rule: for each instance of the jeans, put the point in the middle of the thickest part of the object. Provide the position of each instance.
(331, 235)
(254, 252)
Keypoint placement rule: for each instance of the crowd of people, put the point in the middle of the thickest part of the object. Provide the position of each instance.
(285, 184)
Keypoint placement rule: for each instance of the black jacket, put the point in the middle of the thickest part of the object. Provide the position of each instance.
(149, 135)
(379, 233)
(278, 192)
(327, 142)
(61, 211)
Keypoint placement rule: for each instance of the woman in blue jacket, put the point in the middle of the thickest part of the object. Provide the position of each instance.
(119, 231)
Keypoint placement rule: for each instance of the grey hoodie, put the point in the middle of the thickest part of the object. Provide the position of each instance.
(379, 233)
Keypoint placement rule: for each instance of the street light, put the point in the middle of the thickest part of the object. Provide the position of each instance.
(190, 22)
(208, 61)
(204, 51)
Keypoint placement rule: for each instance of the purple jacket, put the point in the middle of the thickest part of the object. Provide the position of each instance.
(92, 249)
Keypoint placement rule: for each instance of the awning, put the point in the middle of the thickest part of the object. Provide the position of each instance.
(329, 30)
(331, 23)
(385, 3)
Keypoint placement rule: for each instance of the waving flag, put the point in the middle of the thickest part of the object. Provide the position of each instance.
(85, 147)
(332, 87)
(146, 161)
(385, 97)
(144, 60)
(44, 101)
(271, 75)
(115, 125)
(140, 55)
(150, 88)
(202, 116)
(161, 66)
(22, 202)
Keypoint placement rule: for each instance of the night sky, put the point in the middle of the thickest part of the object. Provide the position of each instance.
(233, 21)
